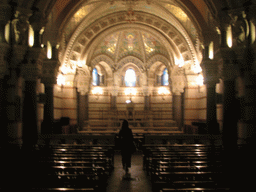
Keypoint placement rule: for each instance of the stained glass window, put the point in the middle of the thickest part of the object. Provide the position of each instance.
(165, 77)
(95, 77)
(130, 78)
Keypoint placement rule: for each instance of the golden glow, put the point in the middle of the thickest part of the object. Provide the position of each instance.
(60, 79)
(7, 32)
(229, 36)
(97, 91)
(130, 91)
(253, 32)
(163, 91)
(64, 70)
(196, 68)
(79, 63)
(49, 50)
(30, 36)
(200, 80)
(179, 62)
(211, 50)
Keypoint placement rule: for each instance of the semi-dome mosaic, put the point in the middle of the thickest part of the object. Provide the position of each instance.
(140, 44)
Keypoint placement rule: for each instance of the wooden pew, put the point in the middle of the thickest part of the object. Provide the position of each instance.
(73, 168)
(194, 189)
(179, 167)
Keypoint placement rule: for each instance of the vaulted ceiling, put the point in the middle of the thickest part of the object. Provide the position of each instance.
(173, 29)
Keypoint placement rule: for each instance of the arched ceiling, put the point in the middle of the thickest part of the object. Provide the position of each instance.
(77, 25)
(140, 44)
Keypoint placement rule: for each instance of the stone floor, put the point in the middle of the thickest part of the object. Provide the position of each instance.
(137, 181)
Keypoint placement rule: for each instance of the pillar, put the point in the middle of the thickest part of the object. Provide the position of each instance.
(48, 116)
(83, 106)
(29, 119)
(177, 101)
(210, 72)
(3, 96)
(31, 71)
(146, 98)
(5, 12)
(49, 79)
(231, 108)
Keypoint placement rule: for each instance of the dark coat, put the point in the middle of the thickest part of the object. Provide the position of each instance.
(126, 138)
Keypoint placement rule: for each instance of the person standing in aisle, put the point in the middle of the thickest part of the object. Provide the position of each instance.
(127, 145)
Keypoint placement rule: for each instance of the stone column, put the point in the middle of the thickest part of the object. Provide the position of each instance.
(210, 72)
(49, 76)
(3, 96)
(83, 105)
(177, 108)
(146, 98)
(31, 71)
(5, 12)
(114, 98)
(231, 108)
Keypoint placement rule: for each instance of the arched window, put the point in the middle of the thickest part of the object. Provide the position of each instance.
(95, 77)
(130, 78)
(165, 77)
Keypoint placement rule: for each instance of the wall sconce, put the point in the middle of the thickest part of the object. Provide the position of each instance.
(229, 36)
(211, 50)
(163, 91)
(49, 50)
(97, 91)
(199, 81)
(30, 36)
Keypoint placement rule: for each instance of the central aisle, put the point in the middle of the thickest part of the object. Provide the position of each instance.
(138, 181)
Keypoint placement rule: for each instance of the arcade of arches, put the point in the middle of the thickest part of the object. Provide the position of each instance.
(166, 65)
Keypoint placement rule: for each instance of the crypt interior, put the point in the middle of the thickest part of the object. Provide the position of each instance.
(71, 70)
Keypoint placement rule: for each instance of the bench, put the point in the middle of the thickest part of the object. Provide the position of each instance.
(64, 189)
(194, 189)
(187, 166)
(73, 168)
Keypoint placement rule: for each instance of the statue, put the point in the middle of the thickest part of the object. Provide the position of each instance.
(20, 29)
(240, 28)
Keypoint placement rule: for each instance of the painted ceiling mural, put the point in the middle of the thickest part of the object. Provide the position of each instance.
(130, 42)
(163, 9)
(92, 15)
(108, 45)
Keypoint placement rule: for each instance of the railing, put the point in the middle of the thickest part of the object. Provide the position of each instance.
(155, 113)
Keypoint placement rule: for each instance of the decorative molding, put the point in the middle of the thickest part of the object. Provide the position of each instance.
(85, 34)
(131, 59)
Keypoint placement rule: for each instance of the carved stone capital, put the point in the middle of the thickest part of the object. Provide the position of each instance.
(32, 64)
(37, 20)
(146, 91)
(210, 71)
(230, 58)
(82, 81)
(49, 71)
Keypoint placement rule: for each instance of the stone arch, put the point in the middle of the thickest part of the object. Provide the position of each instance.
(135, 67)
(131, 59)
(162, 59)
(107, 63)
(85, 34)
